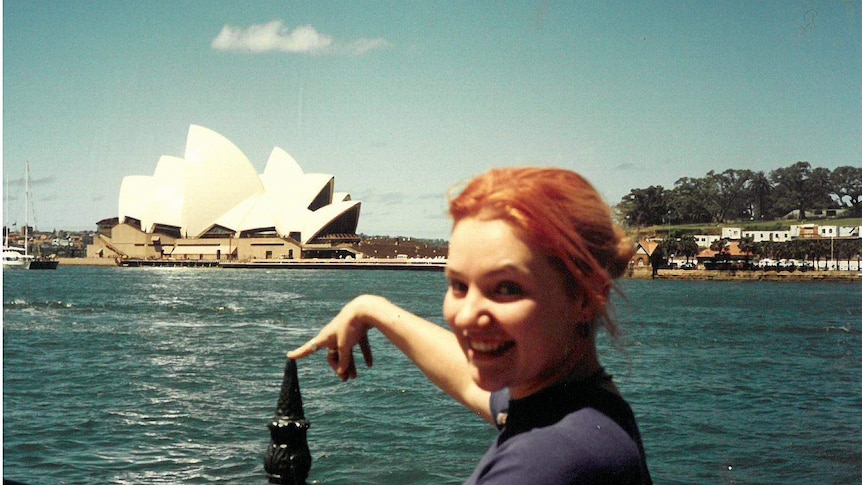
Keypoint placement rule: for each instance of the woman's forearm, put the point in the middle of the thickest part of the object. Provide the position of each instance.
(434, 350)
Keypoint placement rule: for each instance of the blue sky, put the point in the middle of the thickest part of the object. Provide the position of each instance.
(402, 100)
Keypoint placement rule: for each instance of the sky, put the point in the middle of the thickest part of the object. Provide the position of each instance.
(401, 101)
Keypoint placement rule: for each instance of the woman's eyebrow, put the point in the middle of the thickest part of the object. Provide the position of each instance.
(504, 269)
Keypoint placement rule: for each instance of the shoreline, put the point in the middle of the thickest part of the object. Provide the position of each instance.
(368, 264)
(747, 275)
(640, 273)
(86, 262)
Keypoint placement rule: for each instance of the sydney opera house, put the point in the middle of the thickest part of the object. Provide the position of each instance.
(213, 205)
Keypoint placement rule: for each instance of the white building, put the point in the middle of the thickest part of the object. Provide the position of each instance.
(212, 203)
(850, 232)
(706, 240)
(732, 233)
(767, 236)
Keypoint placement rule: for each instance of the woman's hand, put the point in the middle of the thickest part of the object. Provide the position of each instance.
(432, 348)
(348, 328)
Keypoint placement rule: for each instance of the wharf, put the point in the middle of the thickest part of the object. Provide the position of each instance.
(378, 264)
(169, 263)
(749, 275)
(347, 264)
(440, 265)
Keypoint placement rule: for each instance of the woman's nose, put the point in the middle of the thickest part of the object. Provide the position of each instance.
(472, 311)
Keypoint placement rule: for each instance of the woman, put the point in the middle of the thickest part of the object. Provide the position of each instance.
(532, 256)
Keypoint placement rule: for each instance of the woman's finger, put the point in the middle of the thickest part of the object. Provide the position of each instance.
(305, 350)
(332, 359)
(365, 346)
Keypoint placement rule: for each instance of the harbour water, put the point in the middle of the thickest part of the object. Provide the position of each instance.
(147, 376)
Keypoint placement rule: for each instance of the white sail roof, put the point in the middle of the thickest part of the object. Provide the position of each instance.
(216, 184)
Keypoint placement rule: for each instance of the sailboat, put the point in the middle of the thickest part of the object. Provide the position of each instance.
(19, 258)
(14, 257)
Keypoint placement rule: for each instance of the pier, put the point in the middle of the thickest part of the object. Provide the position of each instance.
(346, 264)
(369, 264)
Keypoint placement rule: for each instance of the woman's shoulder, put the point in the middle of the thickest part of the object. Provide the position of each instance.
(584, 429)
(586, 446)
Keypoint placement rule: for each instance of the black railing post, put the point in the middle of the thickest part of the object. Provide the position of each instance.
(288, 459)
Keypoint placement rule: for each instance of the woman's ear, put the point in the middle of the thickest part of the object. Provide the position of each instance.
(593, 307)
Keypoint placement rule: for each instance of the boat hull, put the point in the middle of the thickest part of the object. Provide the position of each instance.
(44, 264)
(13, 258)
(16, 265)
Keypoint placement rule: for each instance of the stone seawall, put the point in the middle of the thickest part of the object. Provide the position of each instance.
(639, 273)
(87, 262)
(754, 275)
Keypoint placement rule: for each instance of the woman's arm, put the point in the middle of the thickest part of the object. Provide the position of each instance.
(432, 348)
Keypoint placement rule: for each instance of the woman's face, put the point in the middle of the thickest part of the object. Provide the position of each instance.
(509, 308)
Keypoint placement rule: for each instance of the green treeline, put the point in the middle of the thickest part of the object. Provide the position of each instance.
(735, 195)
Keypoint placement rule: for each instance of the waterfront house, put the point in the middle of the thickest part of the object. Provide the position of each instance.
(642, 254)
(706, 240)
(767, 236)
(730, 257)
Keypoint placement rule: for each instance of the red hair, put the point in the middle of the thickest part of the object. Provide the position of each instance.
(559, 212)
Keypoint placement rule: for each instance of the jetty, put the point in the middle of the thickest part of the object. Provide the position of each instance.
(747, 275)
(379, 264)
(436, 264)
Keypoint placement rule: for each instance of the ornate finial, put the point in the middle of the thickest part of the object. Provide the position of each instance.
(288, 459)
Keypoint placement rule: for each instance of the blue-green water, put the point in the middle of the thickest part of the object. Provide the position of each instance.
(138, 376)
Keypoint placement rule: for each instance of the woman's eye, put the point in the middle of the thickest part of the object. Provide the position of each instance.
(457, 287)
(509, 289)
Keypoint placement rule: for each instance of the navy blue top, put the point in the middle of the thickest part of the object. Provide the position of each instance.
(580, 432)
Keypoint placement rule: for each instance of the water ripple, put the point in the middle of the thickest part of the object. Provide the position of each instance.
(123, 376)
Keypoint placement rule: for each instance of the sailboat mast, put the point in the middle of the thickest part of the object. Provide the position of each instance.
(26, 208)
(6, 214)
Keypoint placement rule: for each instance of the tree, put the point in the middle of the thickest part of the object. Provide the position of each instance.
(687, 199)
(712, 198)
(670, 246)
(644, 207)
(726, 191)
(721, 249)
(760, 191)
(798, 187)
(747, 245)
(687, 246)
(850, 249)
(766, 249)
(657, 259)
(846, 187)
(796, 249)
(814, 250)
(734, 194)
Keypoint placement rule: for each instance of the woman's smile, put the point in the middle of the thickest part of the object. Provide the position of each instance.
(489, 348)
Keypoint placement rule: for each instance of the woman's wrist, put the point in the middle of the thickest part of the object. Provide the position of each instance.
(371, 310)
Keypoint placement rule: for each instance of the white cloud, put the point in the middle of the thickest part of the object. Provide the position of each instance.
(275, 37)
(363, 46)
